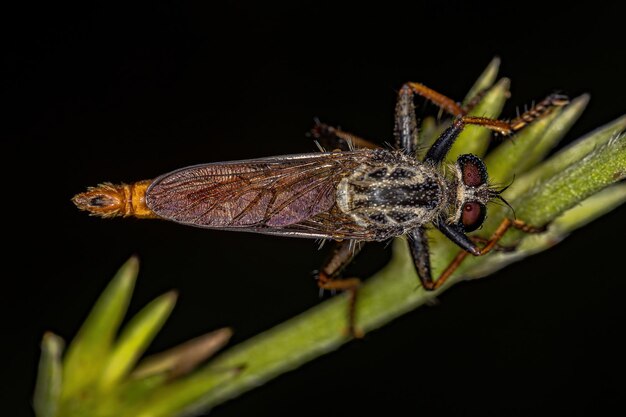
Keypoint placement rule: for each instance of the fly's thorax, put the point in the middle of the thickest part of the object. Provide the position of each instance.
(394, 192)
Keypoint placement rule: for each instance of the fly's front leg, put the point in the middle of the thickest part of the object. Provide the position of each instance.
(334, 138)
(328, 278)
(539, 109)
(418, 244)
(437, 153)
(470, 247)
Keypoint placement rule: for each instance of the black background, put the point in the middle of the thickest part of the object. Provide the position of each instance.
(122, 93)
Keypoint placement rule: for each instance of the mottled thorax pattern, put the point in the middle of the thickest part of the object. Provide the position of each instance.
(393, 192)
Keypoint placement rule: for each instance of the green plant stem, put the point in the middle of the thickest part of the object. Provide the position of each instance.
(565, 198)
(100, 377)
(390, 293)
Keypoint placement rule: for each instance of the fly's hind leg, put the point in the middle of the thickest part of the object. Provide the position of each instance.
(490, 244)
(328, 278)
(331, 138)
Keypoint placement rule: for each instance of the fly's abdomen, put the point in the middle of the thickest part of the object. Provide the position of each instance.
(116, 200)
(392, 195)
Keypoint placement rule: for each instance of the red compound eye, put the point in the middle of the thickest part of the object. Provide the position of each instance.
(473, 170)
(473, 215)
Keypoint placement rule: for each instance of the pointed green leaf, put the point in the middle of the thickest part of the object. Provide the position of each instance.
(560, 191)
(603, 166)
(144, 385)
(590, 209)
(484, 81)
(184, 357)
(395, 289)
(129, 394)
(135, 338)
(546, 170)
(185, 396)
(475, 139)
(567, 156)
(88, 351)
(429, 131)
(593, 207)
(524, 150)
(49, 377)
(543, 204)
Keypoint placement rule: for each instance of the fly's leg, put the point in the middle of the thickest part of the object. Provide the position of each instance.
(491, 244)
(497, 247)
(406, 132)
(443, 102)
(418, 244)
(334, 138)
(455, 232)
(455, 109)
(537, 110)
(437, 153)
(405, 129)
(328, 278)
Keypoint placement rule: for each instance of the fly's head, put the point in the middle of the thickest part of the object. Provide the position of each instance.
(473, 192)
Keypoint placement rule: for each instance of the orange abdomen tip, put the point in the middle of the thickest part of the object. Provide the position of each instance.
(111, 200)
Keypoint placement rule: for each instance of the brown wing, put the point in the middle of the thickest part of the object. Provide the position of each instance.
(290, 195)
(328, 225)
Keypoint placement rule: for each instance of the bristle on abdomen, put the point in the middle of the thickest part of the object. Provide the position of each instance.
(111, 200)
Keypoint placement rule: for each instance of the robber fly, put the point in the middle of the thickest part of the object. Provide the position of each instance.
(357, 193)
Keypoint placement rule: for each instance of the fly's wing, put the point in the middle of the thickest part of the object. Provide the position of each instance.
(327, 225)
(289, 195)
